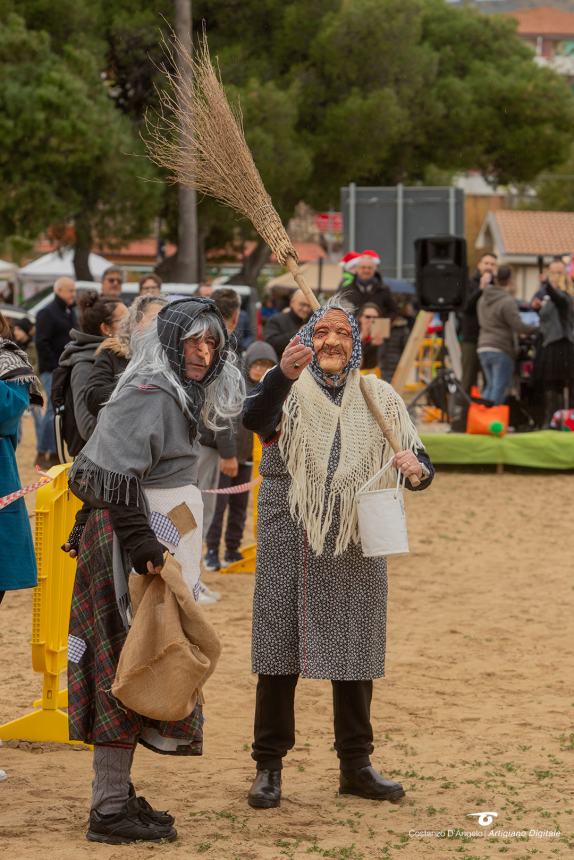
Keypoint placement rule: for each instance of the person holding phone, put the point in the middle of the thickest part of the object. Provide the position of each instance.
(469, 325)
(371, 335)
(554, 367)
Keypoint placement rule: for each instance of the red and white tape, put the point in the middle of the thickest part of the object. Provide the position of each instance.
(232, 491)
(18, 494)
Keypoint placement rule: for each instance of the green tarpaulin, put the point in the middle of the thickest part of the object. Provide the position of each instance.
(548, 449)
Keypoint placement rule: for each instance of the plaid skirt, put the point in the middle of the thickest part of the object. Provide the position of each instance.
(96, 639)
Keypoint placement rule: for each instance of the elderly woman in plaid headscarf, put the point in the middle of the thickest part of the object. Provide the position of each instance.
(137, 470)
(320, 604)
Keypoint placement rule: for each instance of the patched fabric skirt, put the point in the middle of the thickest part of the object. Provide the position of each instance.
(97, 636)
(319, 616)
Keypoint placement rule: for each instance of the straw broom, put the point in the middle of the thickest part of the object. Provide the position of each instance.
(199, 140)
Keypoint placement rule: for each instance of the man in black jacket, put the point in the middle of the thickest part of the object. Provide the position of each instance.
(469, 328)
(368, 286)
(53, 326)
(280, 328)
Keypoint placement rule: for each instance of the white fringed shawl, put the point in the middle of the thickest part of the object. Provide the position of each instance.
(308, 429)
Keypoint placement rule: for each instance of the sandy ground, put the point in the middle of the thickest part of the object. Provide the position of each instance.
(475, 713)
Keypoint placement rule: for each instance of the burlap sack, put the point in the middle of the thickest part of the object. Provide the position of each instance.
(170, 649)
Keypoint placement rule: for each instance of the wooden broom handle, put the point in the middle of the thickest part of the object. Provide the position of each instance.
(302, 284)
(385, 429)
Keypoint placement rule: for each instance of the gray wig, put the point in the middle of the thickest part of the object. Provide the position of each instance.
(223, 397)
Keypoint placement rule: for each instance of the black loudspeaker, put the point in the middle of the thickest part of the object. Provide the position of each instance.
(441, 273)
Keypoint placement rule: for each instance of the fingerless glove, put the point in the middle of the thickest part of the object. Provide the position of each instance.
(149, 550)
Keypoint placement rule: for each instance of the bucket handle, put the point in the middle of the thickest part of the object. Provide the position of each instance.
(365, 488)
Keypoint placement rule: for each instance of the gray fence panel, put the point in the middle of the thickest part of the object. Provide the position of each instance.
(388, 220)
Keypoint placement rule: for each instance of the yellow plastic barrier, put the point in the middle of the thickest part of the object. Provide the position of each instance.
(56, 508)
(249, 552)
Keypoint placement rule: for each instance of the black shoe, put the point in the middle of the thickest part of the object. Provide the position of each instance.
(233, 555)
(211, 560)
(265, 793)
(127, 826)
(148, 813)
(366, 782)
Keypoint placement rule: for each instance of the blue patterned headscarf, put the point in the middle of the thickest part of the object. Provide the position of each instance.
(332, 380)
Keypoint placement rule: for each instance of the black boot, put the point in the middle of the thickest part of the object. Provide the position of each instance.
(127, 826)
(366, 782)
(265, 792)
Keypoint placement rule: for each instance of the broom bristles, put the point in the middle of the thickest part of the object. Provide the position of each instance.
(200, 142)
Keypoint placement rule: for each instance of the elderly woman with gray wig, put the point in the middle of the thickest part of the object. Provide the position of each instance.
(138, 470)
(320, 604)
(112, 357)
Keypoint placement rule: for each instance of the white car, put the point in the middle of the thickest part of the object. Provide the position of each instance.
(248, 295)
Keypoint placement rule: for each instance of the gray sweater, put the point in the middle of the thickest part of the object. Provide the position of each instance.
(142, 439)
(499, 321)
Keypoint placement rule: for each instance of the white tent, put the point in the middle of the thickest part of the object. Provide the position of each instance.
(7, 272)
(7, 268)
(44, 271)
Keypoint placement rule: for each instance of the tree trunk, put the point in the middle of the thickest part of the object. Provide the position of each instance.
(167, 269)
(201, 257)
(82, 248)
(252, 265)
(185, 267)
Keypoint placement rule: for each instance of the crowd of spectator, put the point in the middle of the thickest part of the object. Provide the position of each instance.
(86, 340)
(493, 329)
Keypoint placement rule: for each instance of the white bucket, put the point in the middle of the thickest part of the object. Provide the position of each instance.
(382, 520)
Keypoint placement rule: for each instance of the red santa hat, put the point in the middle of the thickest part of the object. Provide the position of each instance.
(349, 261)
(369, 257)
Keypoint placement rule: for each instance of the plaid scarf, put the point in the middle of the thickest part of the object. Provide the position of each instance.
(15, 367)
(174, 322)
